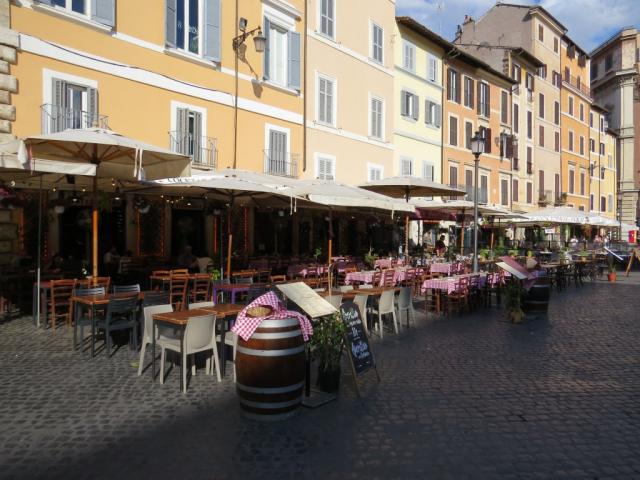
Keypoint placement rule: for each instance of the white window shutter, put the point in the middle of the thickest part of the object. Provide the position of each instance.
(293, 80)
(438, 115)
(212, 15)
(104, 12)
(267, 35)
(403, 103)
(92, 108)
(171, 33)
(416, 108)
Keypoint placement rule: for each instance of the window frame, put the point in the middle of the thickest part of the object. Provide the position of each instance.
(406, 44)
(372, 31)
(317, 156)
(334, 82)
(333, 20)
(376, 98)
(374, 167)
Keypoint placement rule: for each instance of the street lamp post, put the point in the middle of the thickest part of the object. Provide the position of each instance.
(477, 148)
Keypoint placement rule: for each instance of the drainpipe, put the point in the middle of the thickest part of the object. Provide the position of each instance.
(304, 93)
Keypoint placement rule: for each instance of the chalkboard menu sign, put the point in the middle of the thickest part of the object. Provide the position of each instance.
(357, 340)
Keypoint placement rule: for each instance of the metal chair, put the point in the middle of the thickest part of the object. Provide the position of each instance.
(82, 316)
(61, 291)
(135, 288)
(156, 297)
(122, 314)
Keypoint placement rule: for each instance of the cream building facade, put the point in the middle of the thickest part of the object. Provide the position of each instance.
(350, 80)
(602, 160)
(418, 89)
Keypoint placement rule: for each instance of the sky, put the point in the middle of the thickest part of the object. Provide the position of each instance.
(589, 22)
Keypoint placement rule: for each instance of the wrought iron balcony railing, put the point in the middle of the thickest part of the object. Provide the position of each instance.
(202, 150)
(278, 162)
(57, 119)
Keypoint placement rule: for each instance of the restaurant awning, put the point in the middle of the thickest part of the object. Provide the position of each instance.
(557, 215)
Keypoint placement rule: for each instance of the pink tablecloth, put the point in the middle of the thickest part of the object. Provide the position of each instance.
(303, 271)
(359, 277)
(448, 284)
(441, 268)
(382, 263)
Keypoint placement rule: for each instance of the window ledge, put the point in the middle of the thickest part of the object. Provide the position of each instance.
(282, 88)
(431, 126)
(376, 139)
(325, 124)
(174, 52)
(409, 119)
(74, 17)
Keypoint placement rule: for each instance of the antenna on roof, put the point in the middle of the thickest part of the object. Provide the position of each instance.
(440, 10)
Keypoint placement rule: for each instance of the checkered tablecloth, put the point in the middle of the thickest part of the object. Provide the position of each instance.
(245, 325)
(448, 284)
(359, 277)
(442, 268)
(382, 263)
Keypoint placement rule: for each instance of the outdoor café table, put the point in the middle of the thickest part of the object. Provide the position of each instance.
(441, 268)
(99, 301)
(359, 277)
(224, 312)
(448, 285)
(232, 288)
(382, 263)
(173, 319)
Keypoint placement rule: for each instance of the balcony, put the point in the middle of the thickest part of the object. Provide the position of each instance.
(545, 197)
(284, 164)
(576, 83)
(202, 150)
(57, 119)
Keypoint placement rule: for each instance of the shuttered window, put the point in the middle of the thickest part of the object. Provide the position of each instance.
(432, 69)
(374, 172)
(504, 191)
(453, 175)
(409, 56)
(432, 113)
(326, 167)
(572, 181)
(327, 17)
(468, 134)
(194, 26)
(570, 141)
(541, 105)
(406, 166)
(453, 131)
(409, 105)
(529, 124)
(515, 190)
(504, 107)
(428, 171)
(484, 102)
(516, 118)
(557, 141)
(556, 113)
(101, 11)
(325, 100)
(529, 192)
(281, 56)
(557, 184)
(453, 85)
(187, 139)
(377, 127)
(73, 106)
(581, 145)
(541, 135)
(582, 182)
(468, 92)
(278, 156)
(377, 43)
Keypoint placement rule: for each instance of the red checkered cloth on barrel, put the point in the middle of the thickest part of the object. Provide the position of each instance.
(245, 325)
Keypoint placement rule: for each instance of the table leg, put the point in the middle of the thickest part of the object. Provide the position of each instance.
(93, 330)
(153, 349)
(223, 346)
(233, 296)
(43, 306)
(436, 293)
(34, 299)
(183, 386)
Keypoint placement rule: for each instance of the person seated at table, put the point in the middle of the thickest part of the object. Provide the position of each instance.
(111, 261)
(441, 247)
(187, 259)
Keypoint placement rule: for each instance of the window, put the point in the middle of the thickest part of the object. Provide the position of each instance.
(602, 170)
(468, 92)
(529, 192)
(432, 69)
(278, 157)
(541, 135)
(594, 70)
(530, 82)
(406, 166)
(610, 160)
(610, 203)
(377, 42)
(326, 98)
(581, 145)
(188, 136)
(486, 134)
(409, 56)
(325, 167)
(327, 18)
(557, 141)
(581, 112)
(468, 134)
(542, 71)
(556, 184)
(468, 183)
(592, 145)
(72, 106)
(591, 201)
(555, 44)
(591, 119)
(541, 33)
(432, 113)
(516, 118)
(572, 180)
(484, 189)
(529, 157)
(453, 131)
(529, 124)
(608, 62)
(453, 175)
(377, 116)
(193, 28)
(541, 180)
(374, 172)
(504, 191)
(570, 141)
(556, 80)
(409, 105)
(571, 106)
(514, 190)
(504, 106)
(601, 124)
(516, 73)
(428, 170)
(571, 51)
(556, 113)
(483, 99)
(101, 11)
(567, 74)
(603, 204)
(282, 56)
(541, 105)
(601, 148)
(453, 86)
(582, 182)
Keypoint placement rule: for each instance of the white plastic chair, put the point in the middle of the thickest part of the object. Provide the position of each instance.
(196, 305)
(346, 288)
(199, 336)
(406, 305)
(335, 300)
(147, 339)
(231, 340)
(361, 301)
(385, 307)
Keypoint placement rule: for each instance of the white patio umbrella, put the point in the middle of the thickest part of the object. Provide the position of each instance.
(114, 156)
(407, 187)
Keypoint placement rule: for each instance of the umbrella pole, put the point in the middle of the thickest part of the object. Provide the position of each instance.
(229, 242)
(39, 254)
(462, 236)
(94, 230)
(406, 237)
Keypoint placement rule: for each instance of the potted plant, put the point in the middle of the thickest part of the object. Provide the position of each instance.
(326, 346)
(611, 270)
(513, 293)
(316, 253)
(370, 259)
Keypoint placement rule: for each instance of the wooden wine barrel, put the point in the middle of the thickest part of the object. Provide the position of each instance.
(537, 299)
(270, 370)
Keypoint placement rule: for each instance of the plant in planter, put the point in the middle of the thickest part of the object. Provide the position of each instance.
(316, 253)
(611, 269)
(326, 346)
(513, 294)
(370, 258)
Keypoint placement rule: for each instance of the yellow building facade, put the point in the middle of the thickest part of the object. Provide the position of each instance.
(418, 90)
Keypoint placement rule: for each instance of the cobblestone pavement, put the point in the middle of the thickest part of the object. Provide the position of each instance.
(468, 397)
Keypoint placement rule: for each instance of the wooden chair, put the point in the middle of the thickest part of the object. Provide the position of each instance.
(458, 300)
(341, 276)
(60, 306)
(387, 278)
(201, 288)
(277, 278)
(180, 271)
(178, 291)
(95, 282)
